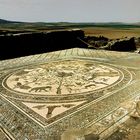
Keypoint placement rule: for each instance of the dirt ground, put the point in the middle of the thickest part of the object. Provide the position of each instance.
(112, 33)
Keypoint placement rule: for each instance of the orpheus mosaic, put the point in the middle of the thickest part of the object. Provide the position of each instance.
(48, 96)
(62, 77)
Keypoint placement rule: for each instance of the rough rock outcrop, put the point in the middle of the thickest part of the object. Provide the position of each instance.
(24, 44)
(127, 44)
(96, 42)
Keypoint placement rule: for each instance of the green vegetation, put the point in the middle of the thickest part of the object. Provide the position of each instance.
(37, 26)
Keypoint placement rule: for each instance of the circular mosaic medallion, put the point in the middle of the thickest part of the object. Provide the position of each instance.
(62, 78)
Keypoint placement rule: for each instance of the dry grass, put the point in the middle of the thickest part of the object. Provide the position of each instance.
(112, 33)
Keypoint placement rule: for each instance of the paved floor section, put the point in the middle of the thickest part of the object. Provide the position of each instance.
(46, 96)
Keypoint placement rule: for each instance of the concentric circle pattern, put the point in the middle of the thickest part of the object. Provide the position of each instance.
(62, 78)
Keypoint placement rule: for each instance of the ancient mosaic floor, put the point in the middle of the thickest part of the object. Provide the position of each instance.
(43, 96)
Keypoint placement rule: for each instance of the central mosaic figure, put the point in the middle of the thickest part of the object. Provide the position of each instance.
(62, 77)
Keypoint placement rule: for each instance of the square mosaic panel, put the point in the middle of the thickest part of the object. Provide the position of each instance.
(42, 96)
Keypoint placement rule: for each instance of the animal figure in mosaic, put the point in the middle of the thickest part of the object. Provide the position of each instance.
(40, 89)
(21, 86)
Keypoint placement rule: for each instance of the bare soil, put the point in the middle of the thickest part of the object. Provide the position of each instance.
(112, 33)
